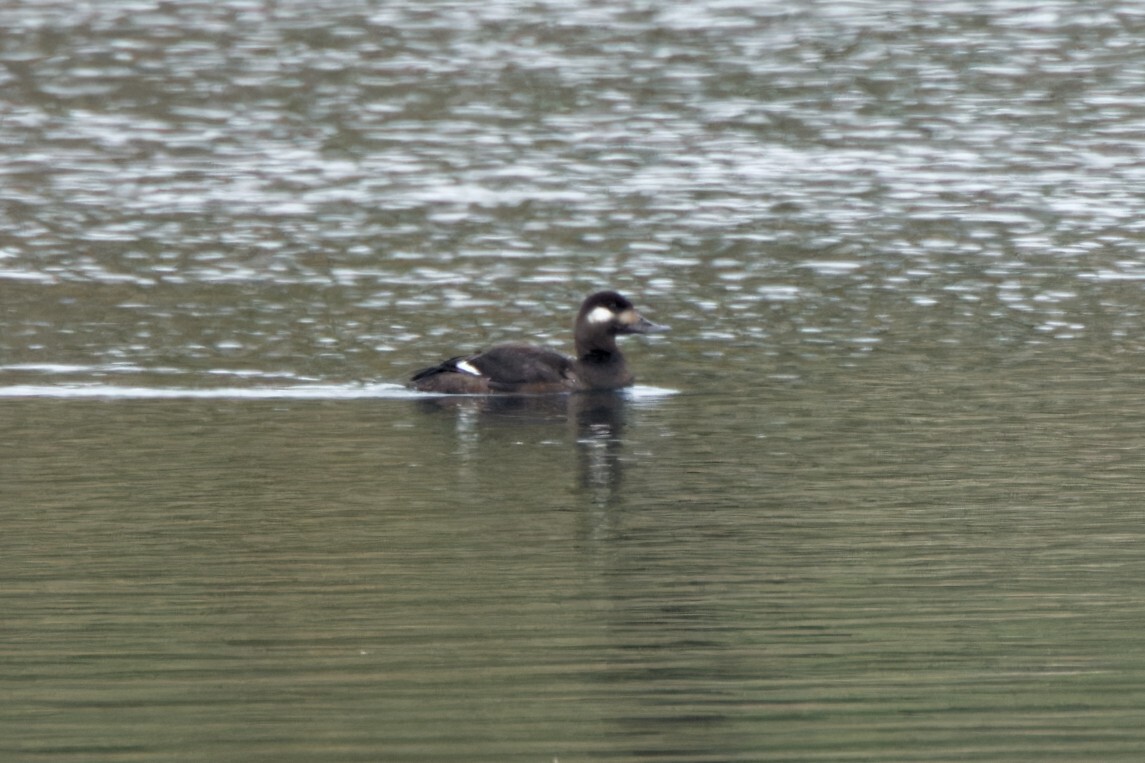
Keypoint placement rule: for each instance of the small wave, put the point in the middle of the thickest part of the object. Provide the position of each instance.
(642, 392)
(380, 390)
(300, 392)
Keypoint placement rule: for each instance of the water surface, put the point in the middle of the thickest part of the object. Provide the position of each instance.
(876, 496)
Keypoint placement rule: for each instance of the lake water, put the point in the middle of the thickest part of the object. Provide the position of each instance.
(879, 495)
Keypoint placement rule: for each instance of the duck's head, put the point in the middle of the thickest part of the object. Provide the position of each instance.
(610, 314)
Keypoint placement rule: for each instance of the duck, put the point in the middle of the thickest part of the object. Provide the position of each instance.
(525, 369)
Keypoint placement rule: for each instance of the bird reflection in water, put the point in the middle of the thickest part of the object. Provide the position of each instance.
(599, 421)
(596, 420)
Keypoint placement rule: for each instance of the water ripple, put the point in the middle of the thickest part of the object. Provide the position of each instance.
(414, 162)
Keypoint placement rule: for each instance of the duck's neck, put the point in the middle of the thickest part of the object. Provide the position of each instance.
(601, 366)
(600, 349)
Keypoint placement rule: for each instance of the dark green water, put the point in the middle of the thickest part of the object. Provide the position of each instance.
(877, 497)
(934, 572)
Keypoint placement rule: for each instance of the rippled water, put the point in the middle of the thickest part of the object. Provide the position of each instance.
(876, 497)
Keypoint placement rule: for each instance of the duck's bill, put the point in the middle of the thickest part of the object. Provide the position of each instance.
(645, 326)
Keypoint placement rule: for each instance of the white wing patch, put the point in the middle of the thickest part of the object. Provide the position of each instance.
(465, 367)
(600, 314)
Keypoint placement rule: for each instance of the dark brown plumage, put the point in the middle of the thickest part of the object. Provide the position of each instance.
(525, 369)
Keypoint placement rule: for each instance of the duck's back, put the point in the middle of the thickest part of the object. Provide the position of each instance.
(503, 368)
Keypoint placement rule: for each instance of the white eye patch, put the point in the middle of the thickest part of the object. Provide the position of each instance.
(600, 314)
(465, 367)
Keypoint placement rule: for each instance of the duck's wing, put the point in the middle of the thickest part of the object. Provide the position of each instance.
(447, 378)
(516, 367)
(504, 368)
